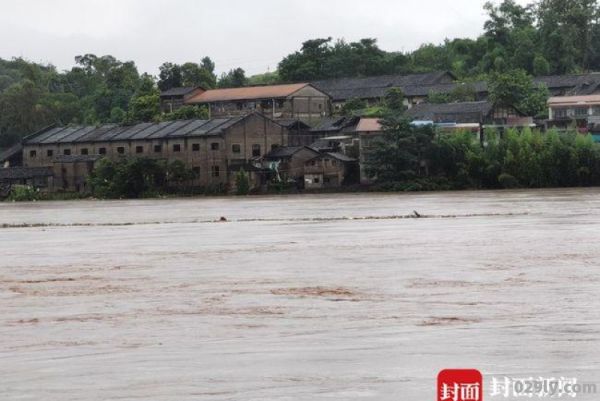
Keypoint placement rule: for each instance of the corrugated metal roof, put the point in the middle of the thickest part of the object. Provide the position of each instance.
(247, 93)
(142, 131)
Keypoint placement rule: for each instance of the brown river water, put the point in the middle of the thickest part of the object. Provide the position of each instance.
(332, 297)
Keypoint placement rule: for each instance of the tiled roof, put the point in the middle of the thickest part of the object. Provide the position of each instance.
(181, 91)
(335, 124)
(575, 84)
(114, 133)
(341, 157)
(285, 151)
(375, 87)
(457, 112)
(247, 93)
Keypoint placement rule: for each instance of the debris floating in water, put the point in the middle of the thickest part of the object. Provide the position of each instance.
(223, 219)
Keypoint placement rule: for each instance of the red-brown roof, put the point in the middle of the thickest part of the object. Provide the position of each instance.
(574, 100)
(369, 125)
(248, 93)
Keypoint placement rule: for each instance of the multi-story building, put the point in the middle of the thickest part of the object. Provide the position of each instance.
(296, 101)
(573, 111)
(213, 149)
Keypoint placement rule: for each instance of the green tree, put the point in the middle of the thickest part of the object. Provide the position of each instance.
(242, 183)
(516, 89)
(400, 156)
(233, 79)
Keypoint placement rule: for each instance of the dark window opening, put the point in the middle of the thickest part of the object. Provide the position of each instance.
(214, 146)
(102, 151)
(32, 153)
(215, 171)
(120, 150)
(274, 146)
(317, 180)
(255, 150)
(84, 151)
(236, 148)
(176, 147)
(195, 147)
(157, 148)
(139, 149)
(196, 171)
(49, 153)
(67, 152)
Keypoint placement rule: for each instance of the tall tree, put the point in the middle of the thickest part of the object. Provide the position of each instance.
(233, 79)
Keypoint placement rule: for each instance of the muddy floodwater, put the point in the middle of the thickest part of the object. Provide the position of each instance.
(333, 297)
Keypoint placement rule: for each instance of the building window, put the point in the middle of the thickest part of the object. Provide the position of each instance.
(157, 148)
(32, 153)
(120, 150)
(196, 171)
(320, 106)
(334, 162)
(236, 148)
(274, 146)
(84, 151)
(560, 113)
(255, 150)
(49, 153)
(581, 111)
(214, 171)
(196, 147)
(67, 152)
(176, 147)
(102, 151)
(317, 180)
(139, 149)
(214, 146)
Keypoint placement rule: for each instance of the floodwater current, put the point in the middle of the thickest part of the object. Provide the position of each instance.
(326, 297)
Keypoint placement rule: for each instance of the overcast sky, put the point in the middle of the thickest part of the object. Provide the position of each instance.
(254, 35)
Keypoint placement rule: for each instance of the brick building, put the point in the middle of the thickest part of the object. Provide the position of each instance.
(214, 149)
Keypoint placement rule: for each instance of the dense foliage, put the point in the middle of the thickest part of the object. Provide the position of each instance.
(414, 158)
(138, 178)
(544, 37)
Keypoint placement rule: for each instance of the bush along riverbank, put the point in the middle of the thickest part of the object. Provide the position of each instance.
(410, 158)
